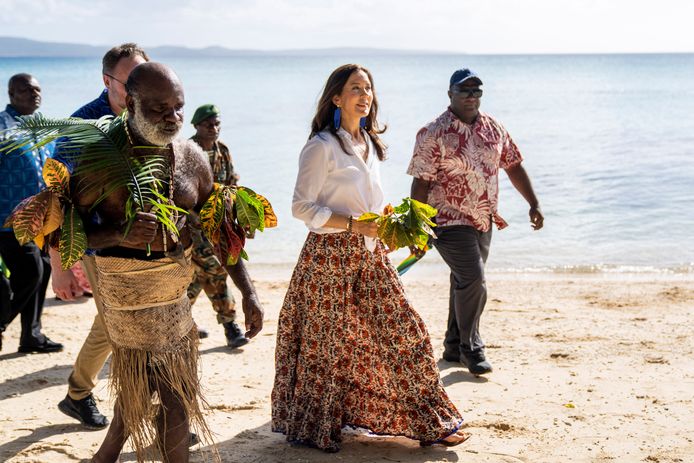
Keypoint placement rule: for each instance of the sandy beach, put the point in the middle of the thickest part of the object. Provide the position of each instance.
(588, 368)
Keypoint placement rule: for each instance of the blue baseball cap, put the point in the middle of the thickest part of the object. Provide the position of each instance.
(461, 75)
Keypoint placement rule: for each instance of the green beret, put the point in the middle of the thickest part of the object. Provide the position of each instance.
(203, 112)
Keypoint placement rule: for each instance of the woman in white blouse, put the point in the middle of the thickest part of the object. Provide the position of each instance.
(351, 351)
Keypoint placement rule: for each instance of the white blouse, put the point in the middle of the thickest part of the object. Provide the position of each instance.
(331, 181)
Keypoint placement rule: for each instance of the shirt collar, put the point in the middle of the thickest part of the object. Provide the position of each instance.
(454, 120)
(11, 111)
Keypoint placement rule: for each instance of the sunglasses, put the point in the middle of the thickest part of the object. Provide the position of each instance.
(117, 80)
(468, 92)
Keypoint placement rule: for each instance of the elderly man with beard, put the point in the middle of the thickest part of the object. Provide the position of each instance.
(143, 279)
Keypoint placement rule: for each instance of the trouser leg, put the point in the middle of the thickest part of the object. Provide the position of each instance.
(465, 251)
(31, 315)
(29, 277)
(451, 343)
(96, 347)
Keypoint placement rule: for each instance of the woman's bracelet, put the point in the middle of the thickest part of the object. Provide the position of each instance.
(349, 224)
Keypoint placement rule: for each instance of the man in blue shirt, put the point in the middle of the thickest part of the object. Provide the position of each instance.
(20, 177)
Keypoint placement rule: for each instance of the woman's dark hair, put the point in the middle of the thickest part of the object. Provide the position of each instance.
(323, 120)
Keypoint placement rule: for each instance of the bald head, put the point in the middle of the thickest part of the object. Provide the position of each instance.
(25, 93)
(155, 103)
(146, 77)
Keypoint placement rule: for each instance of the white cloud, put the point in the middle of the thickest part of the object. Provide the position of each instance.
(490, 26)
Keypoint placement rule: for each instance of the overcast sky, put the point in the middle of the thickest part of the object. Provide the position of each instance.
(480, 26)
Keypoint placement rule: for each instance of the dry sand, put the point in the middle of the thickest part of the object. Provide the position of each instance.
(588, 368)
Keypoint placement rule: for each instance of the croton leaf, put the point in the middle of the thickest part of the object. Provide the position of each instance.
(10, 218)
(56, 176)
(54, 214)
(234, 239)
(73, 240)
(27, 222)
(270, 219)
(249, 211)
(39, 240)
(212, 213)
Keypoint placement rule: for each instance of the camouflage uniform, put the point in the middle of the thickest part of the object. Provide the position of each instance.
(210, 274)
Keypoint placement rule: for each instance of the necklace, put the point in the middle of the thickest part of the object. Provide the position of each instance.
(177, 253)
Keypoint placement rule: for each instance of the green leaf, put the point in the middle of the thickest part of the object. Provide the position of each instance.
(403, 207)
(368, 217)
(3, 269)
(393, 234)
(424, 211)
(73, 240)
(249, 212)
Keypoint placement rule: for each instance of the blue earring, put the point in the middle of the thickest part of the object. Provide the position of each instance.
(336, 118)
(362, 122)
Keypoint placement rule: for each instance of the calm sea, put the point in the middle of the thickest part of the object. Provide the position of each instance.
(608, 142)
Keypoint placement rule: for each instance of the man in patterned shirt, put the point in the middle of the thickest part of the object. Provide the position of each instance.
(455, 166)
(20, 177)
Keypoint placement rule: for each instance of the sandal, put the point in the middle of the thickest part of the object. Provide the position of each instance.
(454, 439)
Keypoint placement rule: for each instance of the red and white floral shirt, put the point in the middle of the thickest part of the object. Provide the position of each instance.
(461, 161)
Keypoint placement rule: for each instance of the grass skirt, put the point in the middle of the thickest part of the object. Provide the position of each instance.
(155, 344)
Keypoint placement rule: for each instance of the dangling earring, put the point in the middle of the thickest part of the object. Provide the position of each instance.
(336, 118)
(362, 122)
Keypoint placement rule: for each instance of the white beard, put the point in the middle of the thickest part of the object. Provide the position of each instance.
(153, 133)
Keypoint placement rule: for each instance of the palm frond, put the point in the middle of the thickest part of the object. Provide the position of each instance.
(100, 153)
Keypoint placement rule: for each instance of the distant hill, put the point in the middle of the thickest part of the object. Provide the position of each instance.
(15, 47)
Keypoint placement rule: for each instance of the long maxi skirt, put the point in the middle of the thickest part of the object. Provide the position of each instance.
(351, 351)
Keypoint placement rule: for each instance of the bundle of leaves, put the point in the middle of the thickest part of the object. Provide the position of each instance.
(407, 225)
(232, 213)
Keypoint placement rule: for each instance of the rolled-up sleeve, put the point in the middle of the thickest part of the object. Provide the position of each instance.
(313, 171)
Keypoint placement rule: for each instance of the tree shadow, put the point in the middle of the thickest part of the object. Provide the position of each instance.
(262, 445)
(14, 447)
(36, 380)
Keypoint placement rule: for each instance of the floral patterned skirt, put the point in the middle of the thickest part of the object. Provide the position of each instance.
(351, 351)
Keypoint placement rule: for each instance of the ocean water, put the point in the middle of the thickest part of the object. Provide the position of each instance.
(608, 142)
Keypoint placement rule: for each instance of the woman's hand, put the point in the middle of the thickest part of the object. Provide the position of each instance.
(369, 229)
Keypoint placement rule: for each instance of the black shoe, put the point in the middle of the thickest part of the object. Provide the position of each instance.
(476, 363)
(45, 347)
(203, 333)
(451, 357)
(85, 411)
(234, 335)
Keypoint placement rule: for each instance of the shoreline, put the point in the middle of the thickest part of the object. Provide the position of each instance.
(586, 369)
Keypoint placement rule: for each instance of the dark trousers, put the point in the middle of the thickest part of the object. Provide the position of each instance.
(465, 250)
(30, 272)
